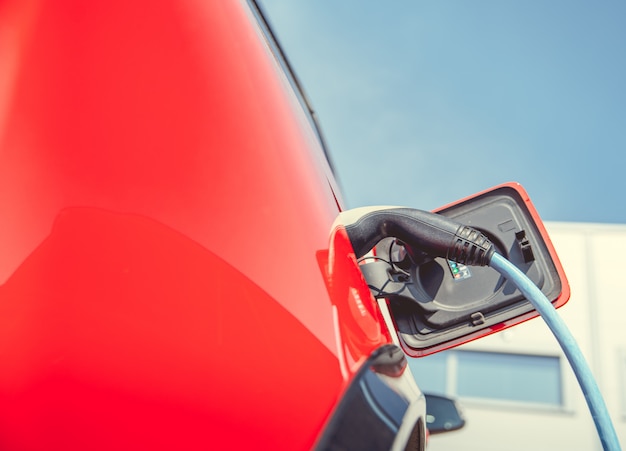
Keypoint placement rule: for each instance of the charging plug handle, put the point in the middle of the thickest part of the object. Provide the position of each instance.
(431, 233)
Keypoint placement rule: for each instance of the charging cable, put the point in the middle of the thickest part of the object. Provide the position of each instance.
(587, 382)
(433, 235)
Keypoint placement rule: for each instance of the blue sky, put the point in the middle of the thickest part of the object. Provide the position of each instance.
(423, 103)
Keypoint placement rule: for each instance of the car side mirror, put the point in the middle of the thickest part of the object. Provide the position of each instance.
(442, 414)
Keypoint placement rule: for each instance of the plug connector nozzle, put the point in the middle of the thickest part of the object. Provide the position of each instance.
(421, 231)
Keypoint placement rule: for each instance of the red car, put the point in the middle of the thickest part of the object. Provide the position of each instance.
(170, 276)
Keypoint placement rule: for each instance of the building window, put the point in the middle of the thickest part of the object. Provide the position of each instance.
(430, 372)
(520, 378)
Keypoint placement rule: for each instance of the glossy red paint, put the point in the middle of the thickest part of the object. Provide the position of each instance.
(165, 209)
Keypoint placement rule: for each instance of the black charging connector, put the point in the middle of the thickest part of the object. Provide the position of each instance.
(421, 231)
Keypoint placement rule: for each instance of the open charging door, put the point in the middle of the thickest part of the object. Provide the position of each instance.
(436, 304)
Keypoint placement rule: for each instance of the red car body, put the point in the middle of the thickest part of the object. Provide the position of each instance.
(168, 275)
(175, 266)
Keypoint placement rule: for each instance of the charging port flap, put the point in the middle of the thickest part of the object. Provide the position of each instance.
(436, 303)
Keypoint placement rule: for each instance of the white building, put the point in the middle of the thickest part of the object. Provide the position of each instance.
(516, 387)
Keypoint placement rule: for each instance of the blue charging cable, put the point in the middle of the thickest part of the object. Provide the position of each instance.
(440, 236)
(587, 382)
